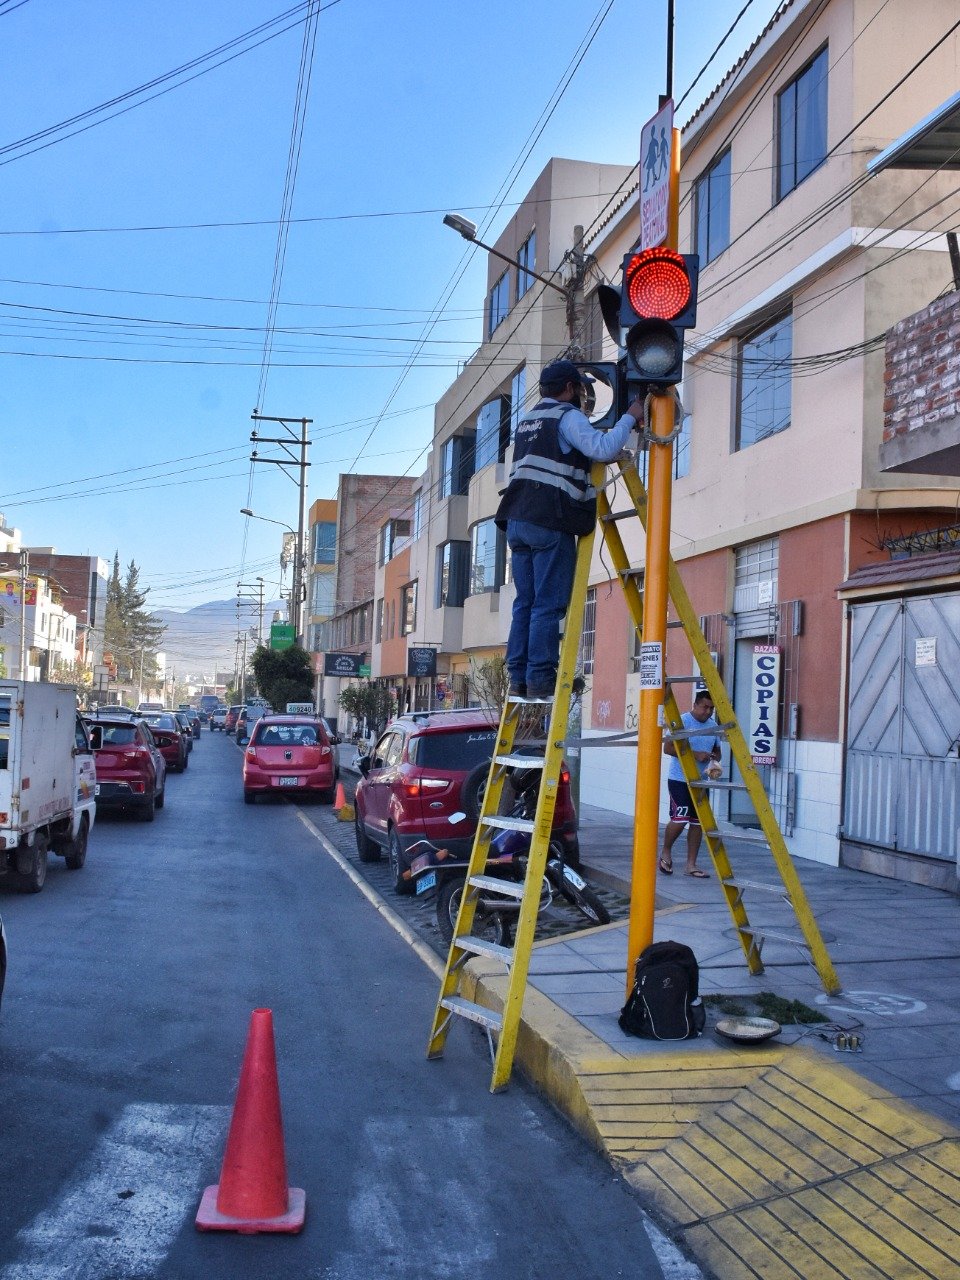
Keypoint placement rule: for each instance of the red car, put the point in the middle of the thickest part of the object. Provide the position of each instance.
(423, 780)
(290, 755)
(230, 724)
(168, 734)
(131, 772)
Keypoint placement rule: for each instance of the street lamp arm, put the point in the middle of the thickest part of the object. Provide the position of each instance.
(468, 230)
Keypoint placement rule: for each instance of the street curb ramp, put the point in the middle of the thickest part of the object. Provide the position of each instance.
(765, 1162)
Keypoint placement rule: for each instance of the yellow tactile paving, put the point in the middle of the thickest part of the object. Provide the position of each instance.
(773, 1164)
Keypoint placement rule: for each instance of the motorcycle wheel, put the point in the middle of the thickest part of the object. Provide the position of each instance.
(586, 901)
(490, 926)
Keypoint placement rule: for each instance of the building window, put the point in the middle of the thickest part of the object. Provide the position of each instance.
(390, 535)
(681, 454)
(589, 632)
(802, 125)
(499, 302)
(493, 432)
(408, 608)
(487, 557)
(527, 258)
(712, 205)
(417, 521)
(453, 571)
(518, 394)
(763, 382)
(756, 575)
(456, 464)
(324, 542)
(321, 595)
(378, 622)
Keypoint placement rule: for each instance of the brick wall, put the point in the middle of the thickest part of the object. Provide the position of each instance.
(923, 369)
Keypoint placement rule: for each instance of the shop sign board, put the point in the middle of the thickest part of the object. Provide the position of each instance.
(344, 665)
(421, 661)
(764, 702)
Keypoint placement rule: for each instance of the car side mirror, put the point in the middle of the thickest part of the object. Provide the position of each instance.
(95, 733)
(363, 764)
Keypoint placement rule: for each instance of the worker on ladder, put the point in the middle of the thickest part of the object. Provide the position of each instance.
(548, 503)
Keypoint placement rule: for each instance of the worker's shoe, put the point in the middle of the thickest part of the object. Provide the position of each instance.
(518, 689)
(540, 692)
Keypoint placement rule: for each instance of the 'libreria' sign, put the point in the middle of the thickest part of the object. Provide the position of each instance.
(764, 703)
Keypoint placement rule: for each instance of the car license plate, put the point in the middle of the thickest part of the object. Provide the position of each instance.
(289, 782)
(429, 881)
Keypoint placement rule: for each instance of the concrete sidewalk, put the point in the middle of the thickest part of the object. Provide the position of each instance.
(790, 1159)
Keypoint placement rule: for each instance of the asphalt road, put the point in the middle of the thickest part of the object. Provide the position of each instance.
(129, 992)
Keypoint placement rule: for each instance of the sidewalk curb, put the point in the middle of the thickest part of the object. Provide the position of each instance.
(767, 1154)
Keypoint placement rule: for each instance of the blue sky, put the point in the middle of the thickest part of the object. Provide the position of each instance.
(415, 108)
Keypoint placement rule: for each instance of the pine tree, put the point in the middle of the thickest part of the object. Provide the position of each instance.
(130, 632)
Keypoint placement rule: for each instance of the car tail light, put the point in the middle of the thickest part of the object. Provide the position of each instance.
(419, 785)
(251, 753)
(565, 775)
(135, 754)
(138, 787)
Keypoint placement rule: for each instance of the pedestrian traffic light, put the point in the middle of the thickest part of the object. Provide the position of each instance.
(658, 302)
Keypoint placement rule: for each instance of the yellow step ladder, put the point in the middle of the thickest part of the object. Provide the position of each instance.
(502, 1027)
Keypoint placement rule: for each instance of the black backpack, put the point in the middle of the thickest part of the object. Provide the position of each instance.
(665, 1001)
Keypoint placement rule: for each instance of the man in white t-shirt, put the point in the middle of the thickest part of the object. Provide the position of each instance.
(706, 749)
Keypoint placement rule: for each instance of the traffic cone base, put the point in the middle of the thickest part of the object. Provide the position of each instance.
(209, 1218)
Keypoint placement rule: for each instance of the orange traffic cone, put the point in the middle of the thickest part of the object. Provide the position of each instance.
(252, 1194)
(341, 805)
(339, 797)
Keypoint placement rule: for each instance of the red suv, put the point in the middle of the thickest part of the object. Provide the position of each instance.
(290, 754)
(424, 779)
(131, 771)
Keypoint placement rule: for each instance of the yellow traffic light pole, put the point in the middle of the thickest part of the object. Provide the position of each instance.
(646, 828)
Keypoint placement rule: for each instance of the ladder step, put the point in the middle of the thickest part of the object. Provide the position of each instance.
(493, 884)
(682, 734)
(473, 1012)
(778, 889)
(510, 824)
(620, 515)
(686, 680)
(481, 947)
(631, 573)
(672, 626)
(764, 935)
(525, 762)
(735, 835)
(704, 783)
(513, 699)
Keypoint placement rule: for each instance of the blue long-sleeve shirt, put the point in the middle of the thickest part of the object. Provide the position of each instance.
(576, 432)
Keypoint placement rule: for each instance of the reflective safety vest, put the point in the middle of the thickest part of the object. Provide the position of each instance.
(548, 486)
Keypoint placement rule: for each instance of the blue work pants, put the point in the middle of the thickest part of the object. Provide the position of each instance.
(543, 563)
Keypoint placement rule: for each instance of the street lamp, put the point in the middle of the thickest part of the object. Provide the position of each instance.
(464, 227)
(296, 593)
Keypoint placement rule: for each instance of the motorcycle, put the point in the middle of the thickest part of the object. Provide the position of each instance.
(434, 869)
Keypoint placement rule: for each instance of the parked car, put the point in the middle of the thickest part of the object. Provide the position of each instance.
(131, 770)
(424, 779)
(186, 728)
(193, 718)
(149, 706)
(218, 719)
(247, 718)
(292, 755)
(172, 737)
(233, 714)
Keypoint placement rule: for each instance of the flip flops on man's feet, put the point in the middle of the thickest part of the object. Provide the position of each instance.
(696, 873)
(666, 868)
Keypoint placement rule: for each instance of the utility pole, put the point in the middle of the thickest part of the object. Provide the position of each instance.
(293, 446)
(256, 595)
(24, 570)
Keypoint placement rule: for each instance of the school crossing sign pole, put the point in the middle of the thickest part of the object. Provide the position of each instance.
(656, 167)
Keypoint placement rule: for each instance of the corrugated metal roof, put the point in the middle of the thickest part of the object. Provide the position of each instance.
(934, 143)
(899, 575)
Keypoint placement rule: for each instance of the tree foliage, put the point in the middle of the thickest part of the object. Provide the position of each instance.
(283, 675)
(366, 700)
(130, 632)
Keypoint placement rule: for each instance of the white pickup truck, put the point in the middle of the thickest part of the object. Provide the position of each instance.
(48, 780)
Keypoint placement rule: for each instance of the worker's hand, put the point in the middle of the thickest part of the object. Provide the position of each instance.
(635, 410)
(625, 455)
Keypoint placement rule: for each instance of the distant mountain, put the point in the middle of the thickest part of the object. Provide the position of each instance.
(204, 639)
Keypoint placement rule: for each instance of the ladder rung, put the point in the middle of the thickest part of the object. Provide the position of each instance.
(620, 515)
(682, 734)
(733, 883)
(481, 947)
(473, 1012)
(513, 699)
(631, 573)
(763, 935)
(510, 824)
(703, 783)
(525, 762)
(672, 626)
(686, 680)
(493, 884)
(735, 835)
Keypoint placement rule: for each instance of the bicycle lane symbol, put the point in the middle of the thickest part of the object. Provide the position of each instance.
(880, 1003)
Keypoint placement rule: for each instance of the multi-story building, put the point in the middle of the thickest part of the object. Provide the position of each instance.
(362, 502)
(806, 261)
(82, 582)
(458, 560)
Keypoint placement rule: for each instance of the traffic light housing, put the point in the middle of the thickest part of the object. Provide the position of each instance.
(658, 303)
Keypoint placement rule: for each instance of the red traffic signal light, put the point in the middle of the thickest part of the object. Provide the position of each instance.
(657, 284)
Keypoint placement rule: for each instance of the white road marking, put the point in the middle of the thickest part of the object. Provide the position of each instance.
(164, 1154)
(672, 1262)
(953, 1082)
(881, 1003)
